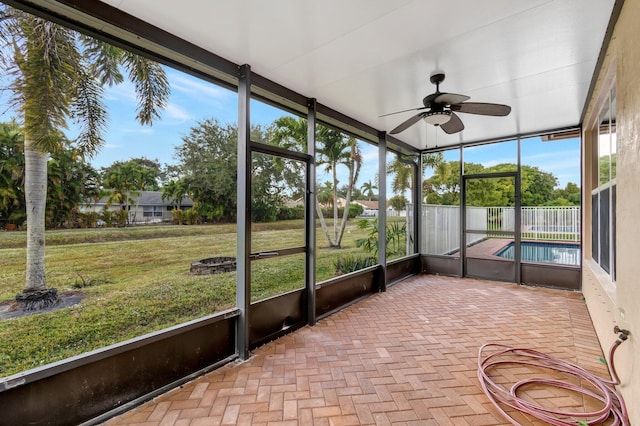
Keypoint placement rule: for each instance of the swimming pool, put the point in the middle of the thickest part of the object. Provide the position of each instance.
(565, 254)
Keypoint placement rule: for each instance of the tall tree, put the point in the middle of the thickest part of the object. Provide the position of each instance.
(58, 74)
(398, 202)
(324, 193)
(443, 187)
(175, 191)
(124, 179)
(207, 159)
(12, 210)
(368, 189)
(127, 179)
(334, 149)
(70, 183)
(150, 171)
(570, 195)
(402, 172)
(289, 132)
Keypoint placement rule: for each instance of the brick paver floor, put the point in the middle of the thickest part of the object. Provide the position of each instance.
(407, 356)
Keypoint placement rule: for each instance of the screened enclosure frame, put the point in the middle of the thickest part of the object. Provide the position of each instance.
(525, 272)
(110, 380)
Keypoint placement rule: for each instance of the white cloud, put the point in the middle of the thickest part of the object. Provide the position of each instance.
(140, 130)
(370, 156)
(176, 112)
(568, 154)
(193, 87)
(123, 92)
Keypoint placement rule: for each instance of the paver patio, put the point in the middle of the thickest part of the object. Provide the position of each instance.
(407, 356)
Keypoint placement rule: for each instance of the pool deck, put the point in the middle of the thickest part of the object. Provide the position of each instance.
(485, 249)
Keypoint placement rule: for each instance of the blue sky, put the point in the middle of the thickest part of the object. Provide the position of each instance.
(194, 100)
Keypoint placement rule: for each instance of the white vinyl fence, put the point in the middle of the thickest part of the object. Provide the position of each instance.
(551, 223)
(441, 225)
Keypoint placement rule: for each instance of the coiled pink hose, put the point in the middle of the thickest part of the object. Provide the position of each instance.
(603, 390)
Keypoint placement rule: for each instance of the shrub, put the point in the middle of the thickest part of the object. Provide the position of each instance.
(290, 213)
(355, 210)
(121, 217)
(107, 216)
(396, 235)
(191, 217)
(344, 265)
(177, 216)
(212, 213)
(263, 211)
(88, 219)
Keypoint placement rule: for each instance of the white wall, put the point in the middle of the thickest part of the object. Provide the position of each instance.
(619, 303)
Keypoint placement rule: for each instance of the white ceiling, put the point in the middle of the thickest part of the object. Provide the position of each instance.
(365, 58)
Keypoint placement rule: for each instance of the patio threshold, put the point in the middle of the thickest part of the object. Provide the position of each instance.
(407, 356)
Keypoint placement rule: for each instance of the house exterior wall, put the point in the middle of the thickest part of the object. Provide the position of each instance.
(618, 303)
(144, 207)
(136, 214)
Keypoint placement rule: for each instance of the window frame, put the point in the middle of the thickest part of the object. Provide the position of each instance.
(603, 223)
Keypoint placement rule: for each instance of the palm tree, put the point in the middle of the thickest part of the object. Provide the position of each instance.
(367, 188)
(333, 150)
(175, 191)
(324, 193)
(58, 74)
(402, 175)
(290, 133)
(122, 179)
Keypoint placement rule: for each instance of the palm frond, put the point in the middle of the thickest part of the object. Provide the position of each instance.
(89, 113)
(151, 85)
(103, 59)
(48, 64)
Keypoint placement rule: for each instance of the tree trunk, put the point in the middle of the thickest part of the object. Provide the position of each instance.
(35, 191)
(347, 203)
(323, 224)
(35, 295)
(335, 206)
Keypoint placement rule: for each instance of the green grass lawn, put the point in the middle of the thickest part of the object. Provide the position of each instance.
(136, 280)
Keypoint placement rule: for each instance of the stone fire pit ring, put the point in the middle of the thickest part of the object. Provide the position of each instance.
(213, 265)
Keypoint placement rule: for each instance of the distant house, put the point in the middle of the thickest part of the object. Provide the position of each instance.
(370, 207)
(146, 207)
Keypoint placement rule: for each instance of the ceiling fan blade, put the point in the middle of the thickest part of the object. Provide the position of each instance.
(454, 125)
(450, 98)
(481, 108)
(406, 124)
(404, 110)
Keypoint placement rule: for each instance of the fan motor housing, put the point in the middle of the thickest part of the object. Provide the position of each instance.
(428, 100)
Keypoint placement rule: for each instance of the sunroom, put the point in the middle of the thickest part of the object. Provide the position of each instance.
(505, 177)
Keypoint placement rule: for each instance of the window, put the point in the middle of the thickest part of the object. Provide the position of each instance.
(401, 171)
(603, 194)
(152, 211)
(140, 289)
(441, 203)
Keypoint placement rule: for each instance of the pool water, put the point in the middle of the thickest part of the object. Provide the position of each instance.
(565, 254)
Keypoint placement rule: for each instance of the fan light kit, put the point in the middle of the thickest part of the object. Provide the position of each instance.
(440, 110)
(437, 118)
